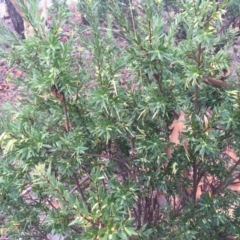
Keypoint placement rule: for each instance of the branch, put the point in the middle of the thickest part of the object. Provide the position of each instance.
(225, 182)
(79, 187)
(150, 32)
(108, 157)
(80, 183)
(157, 77)
(199, 61)
(194, 180)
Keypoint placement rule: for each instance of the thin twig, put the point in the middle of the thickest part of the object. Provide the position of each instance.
(66, 114)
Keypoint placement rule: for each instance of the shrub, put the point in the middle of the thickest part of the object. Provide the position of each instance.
(88, 151)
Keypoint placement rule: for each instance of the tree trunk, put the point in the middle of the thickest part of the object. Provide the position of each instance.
(16, 18)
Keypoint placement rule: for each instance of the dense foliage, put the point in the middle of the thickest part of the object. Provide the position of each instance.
(87, 152)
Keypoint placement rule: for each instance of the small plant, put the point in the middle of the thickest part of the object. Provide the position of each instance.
(124, 131)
